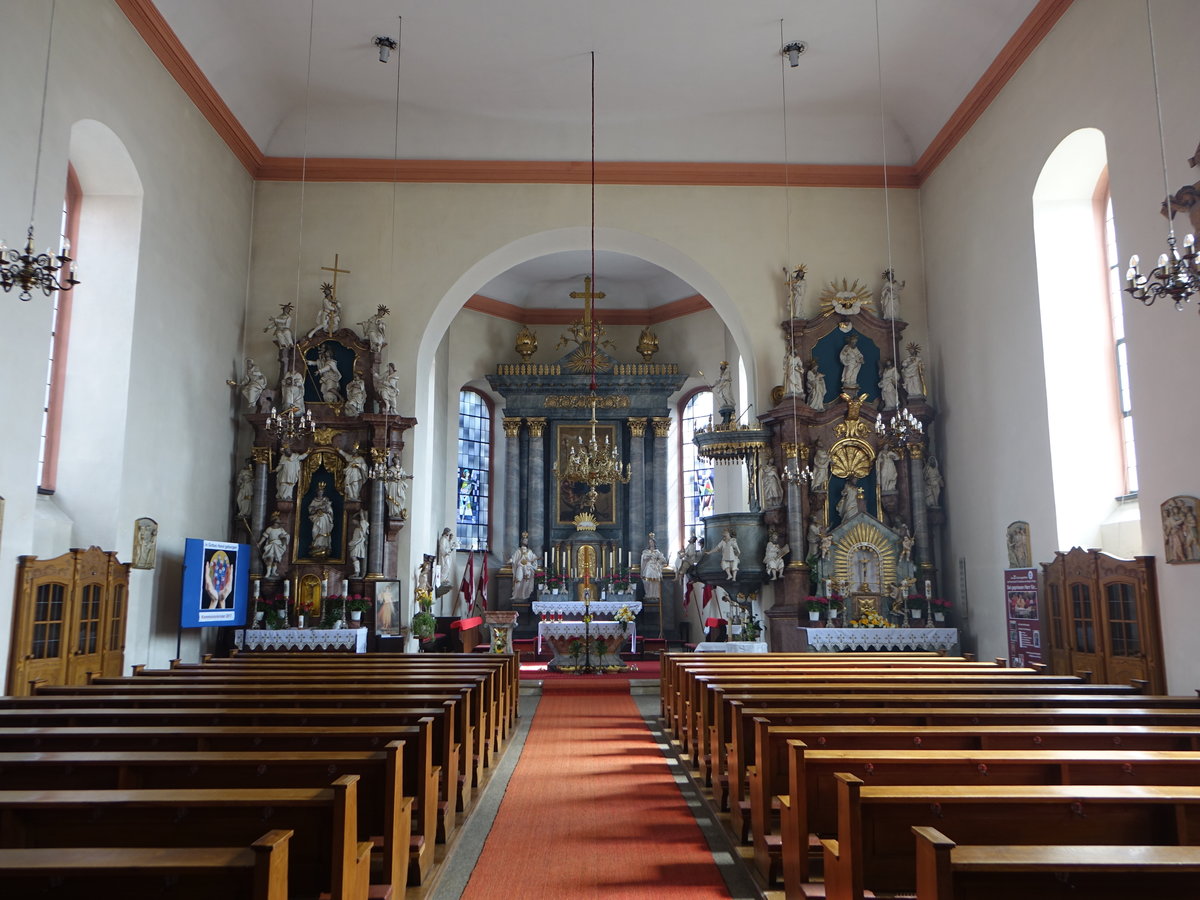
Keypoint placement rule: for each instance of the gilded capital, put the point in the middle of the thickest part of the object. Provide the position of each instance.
(916, 451)
(662, 426)
(637, 427)
(261, 455)
(512, 426)
(791, 451)
(537, 424)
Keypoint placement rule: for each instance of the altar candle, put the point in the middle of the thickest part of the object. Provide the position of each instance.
(828, 590)
(257, 588)
(287, 589)
(928, 588)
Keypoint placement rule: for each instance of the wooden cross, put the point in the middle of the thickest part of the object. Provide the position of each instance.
(335, 270)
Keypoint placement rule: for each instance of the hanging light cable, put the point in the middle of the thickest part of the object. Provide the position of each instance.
(1177, 275)
(27, 270)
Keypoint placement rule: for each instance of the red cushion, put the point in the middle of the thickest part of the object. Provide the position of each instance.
(473, 622)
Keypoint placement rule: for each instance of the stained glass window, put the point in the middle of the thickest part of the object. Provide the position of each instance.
(696, 475)
(474, 468)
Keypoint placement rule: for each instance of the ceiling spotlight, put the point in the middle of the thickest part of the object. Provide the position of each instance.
(793, 50)
(386, 45)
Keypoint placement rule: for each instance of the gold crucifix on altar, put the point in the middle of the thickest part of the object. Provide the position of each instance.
(580, 333)
(335, 270)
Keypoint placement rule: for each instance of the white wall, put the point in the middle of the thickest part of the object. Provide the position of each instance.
(1092, 70)
(187, 312)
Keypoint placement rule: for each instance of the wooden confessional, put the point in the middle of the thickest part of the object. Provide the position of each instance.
(69, 619)
(1103, 618)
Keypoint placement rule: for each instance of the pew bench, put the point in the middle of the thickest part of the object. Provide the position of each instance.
(257, 872)
(947, 871)
(324, 851)
(874, 846)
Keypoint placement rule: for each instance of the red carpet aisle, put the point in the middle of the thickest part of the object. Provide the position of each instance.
(592, 810)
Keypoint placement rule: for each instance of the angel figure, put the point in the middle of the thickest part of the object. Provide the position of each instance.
(280, 327)
(373, 329)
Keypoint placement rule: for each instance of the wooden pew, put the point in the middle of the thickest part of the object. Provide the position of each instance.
(874, 848)
(444, 758)
(419, 774)
(325, 854)
(809, 802)
(384, 813)
(946, 871)
(257, 872)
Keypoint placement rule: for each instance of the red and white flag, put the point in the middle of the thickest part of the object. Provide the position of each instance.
(708, 595)
(466, 588)
(481, 587)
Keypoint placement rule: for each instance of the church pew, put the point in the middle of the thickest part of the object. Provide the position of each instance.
(948, 871)
(420, 775)
(247, 696)
(324, 851)
(384, 813)
(434, 786)
(770, 774)
(257, 872)
(739, 711)
(874, 847)
(809, 797)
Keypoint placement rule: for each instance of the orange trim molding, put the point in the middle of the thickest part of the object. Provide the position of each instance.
(482, 171)
(164, 43)
(502, 309)
(1023, 42)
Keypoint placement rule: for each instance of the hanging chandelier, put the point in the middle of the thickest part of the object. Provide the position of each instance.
(1177, 275)
(26, 270)
(593, 463)
(289, 425)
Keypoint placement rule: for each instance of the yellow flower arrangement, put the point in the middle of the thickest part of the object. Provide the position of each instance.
(871, 620)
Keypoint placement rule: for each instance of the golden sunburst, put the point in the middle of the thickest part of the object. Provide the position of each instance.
(845, 300)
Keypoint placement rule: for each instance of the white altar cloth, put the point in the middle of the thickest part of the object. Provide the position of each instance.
(302, 639)
(575, 629)
(574, 608)
(731, 647)
(943, 640)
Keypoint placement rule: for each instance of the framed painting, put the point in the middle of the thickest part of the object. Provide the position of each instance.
(1181, 540)
(571, 495)
(387, 607)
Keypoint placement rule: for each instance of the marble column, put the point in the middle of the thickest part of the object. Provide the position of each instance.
(916, 478)
(512, 485)
(637, 487)
(535, 476)
(375, 542)
(258, 512)
(658, 518)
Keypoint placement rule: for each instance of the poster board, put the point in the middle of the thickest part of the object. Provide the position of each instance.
(216, 583)
(1023, 615)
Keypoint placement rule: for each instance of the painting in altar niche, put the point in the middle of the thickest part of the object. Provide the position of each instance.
(320, 520)
(573, 495)
(1181, 537)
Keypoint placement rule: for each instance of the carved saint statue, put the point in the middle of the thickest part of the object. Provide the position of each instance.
(852, 360)
(359, 541)
(687, 557)
(885, 469)
(796, 287)
(524, 569)
(273, 545)
(387, 388)
(374, 330)
(820, 479)
(329, 318)
(913, 372)
(793, 385)
(889, 295)
(772, 487)
(287, 473)
(847, 505)
(446, 546)
(730, 554)
(253, 383)
(723, 394)
(245, 491)
(395, 492)
(816, 386)
(773, 556)
(355, 474)
(933, 482)
(356, 397)
(280, 327)
(329, 377)
(292, 392)
(652, 564)
(320, 515)
(889, 385)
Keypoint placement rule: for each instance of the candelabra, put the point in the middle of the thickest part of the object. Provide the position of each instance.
(29, 271)
(288, 425)
(1176, 277)
(902, 428)
(592, 464)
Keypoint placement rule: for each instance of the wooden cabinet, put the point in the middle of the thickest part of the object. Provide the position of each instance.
(1103, 618)
(69, 619)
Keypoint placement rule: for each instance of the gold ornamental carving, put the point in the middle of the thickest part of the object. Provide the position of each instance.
(916, 451)
(637, 427)
(647, 344)
(865, 559)
(512, 426)
(582, 401)
(852, 426)
(537, 425)
(526, 344)
(261, 455)
(324, 436)
(662, 425)
(851, 458)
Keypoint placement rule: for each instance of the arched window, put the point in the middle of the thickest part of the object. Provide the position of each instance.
(60, 324)
(695, 474)
(1120, 350)
(474, 469)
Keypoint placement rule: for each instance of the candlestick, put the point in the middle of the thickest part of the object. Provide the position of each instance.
(257, 588)
(287, 589)
(928, 589)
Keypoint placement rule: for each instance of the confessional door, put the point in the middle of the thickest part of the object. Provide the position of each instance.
(69, 619)
(1103, 618)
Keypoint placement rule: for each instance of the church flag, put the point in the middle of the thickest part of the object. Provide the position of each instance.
(466, 588)
(708, 595)
(481, 587)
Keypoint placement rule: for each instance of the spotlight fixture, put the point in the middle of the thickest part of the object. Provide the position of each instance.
(793, 50)
(386, 45)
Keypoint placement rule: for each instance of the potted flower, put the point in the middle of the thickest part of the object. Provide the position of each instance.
(816, 606)
(624, 615)
(554, 581)
(751, 628)
(621, 582)
(837, 604)
(423, 622)
(917, 605)
(356, 605)
(272, 612)
(940, 608)
(304, 610)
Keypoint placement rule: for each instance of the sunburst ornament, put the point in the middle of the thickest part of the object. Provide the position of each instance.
(847, 300)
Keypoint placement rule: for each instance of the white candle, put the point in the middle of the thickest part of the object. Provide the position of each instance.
(257, 588)
(828, 590)
(287, 589)
(928, 588)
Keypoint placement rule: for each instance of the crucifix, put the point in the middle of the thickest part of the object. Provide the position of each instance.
(335, 270)
(587, 295)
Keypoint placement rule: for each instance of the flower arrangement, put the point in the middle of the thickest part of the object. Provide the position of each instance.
(621, 582)
(554, 581)
(624, 615)
(817, 604)
(837, 602)
(751, 628)
(917, 603)
(423, 622)
(871, 620)
(940, 607)
(274, 610)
